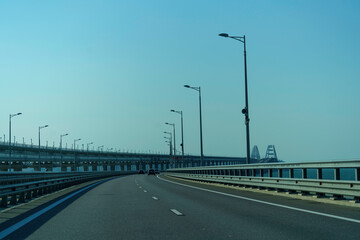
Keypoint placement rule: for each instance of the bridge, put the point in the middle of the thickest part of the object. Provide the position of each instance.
(22, 157)
(246, 201)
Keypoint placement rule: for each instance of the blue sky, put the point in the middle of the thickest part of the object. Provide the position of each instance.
(109, 72)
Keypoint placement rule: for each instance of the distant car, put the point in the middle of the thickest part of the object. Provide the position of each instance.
(157, 171)
(151, 172)
(141, 172)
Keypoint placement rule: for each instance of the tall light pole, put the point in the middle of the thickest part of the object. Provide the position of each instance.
(201, 138)
(182, 131)
(173, 125)
(168, 142)
(245, 111)
(10, 116)
(75, 140)
(170, 139)
(61, 156)
(87, 146)
(40, 127)
(87, 152)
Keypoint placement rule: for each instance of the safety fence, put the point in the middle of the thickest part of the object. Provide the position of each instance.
(338, 180)
(20, 188)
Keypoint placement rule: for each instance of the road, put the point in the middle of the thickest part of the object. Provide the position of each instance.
(150, 207)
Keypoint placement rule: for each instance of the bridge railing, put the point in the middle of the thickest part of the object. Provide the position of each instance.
(338, 180)
(24, 187)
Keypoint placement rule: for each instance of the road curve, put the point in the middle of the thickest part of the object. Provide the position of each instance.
(149, 207)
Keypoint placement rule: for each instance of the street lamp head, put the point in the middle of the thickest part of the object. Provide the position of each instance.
(167, 123)
(187, 86)
(18, 113)
(46, 126)
(224, 35)
(172, 110)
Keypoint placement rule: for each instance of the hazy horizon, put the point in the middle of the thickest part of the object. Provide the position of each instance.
(109, 72)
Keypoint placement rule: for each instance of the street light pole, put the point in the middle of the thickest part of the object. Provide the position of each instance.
(173, 125)
(40, 127)
(169, 143)
(170, 139)
(171, 148)
(87, 146)
(61, 156)
(87, 152)
(245, 111)
(182, 132)
(75, 140)
(10, 147)
(201, 138)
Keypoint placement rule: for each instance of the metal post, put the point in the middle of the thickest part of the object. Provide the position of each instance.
(174, 143)
(246, 109)
(170, 139)
(201, 138)
(182, 132)
(173, 124)
(9, 143)
(39, 151)
(10, 147)
(40, 127)
(247, 119)
(182, 135)
(75, 140)
(61, 156)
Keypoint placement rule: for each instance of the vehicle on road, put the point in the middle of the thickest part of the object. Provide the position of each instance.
(141, 171)
(151, 172)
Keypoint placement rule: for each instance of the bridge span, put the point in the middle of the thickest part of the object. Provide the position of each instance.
(27, 157)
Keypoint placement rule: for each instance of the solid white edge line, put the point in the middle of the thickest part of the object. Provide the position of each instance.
(176, 212)
(268, 203)
(21, 223)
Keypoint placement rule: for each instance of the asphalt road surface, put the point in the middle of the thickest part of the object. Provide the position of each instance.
(151, 207)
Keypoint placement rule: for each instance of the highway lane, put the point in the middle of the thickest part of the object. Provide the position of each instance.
(146, 207)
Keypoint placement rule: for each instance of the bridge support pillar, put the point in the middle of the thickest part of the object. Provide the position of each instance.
(337, 174)
(357, 174)
(17, 167)
(138, 166)
(112, 167)
(122, 166)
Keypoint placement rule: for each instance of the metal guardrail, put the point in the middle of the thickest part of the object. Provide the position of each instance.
(338, 179)
(20, 192)
(20, 177)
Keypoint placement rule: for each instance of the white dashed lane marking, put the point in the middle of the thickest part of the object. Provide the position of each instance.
(155, 198)
(177, 212)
